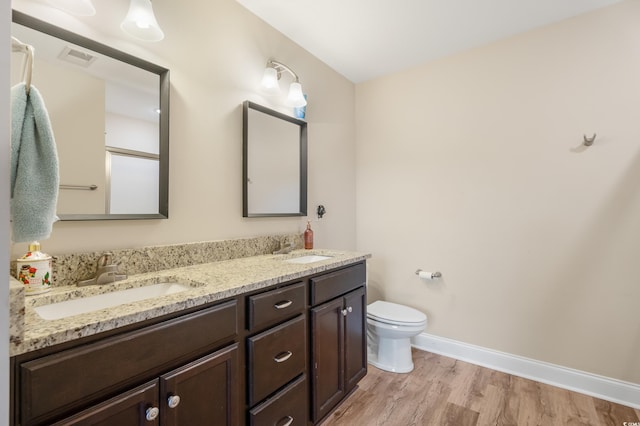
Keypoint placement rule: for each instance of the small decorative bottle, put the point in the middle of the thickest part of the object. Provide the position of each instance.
(34, 270)
(308, 237)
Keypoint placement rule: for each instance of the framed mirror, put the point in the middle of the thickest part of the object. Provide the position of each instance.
(110, 116)
(274, 167)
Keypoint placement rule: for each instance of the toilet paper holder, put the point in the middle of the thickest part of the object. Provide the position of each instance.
(433, 274)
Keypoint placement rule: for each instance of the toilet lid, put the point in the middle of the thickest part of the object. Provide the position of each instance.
(392, 312)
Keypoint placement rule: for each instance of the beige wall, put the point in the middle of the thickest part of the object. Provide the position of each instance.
(473, 165)
(216, 52)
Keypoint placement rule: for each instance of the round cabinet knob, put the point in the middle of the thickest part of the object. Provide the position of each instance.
(350, 309)
(344, 312)
(152, 413)
(173, 401)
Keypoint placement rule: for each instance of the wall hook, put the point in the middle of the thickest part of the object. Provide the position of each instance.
(587, 141)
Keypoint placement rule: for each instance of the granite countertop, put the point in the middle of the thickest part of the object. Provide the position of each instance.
(208, 282)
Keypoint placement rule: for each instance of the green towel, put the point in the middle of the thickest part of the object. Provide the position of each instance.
(34, 167)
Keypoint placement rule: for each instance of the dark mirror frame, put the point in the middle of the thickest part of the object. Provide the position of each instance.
(245, 165)
(163, 73)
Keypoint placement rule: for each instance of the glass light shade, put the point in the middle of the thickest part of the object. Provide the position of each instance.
(75, 7)
(296, 98)
(270, 79)
(141, 23)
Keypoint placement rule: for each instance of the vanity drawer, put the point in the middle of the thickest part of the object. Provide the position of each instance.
(333, 284)
(61, 382)
(276, 305)
(275, 357)
(287, 407)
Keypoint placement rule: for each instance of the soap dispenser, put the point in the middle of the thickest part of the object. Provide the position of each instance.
(308, 237)
(34, 270)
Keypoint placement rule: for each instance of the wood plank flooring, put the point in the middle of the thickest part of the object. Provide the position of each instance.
(443, 391)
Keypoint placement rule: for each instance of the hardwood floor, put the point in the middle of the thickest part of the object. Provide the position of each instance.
(443, 391)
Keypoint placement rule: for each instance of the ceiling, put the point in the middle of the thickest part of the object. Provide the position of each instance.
(365, 39)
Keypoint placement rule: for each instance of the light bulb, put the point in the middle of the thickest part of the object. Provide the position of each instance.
(296, 98)
(270, 79)
(141, 23)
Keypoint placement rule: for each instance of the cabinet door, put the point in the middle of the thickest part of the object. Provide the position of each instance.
(327, 355)
(355, 341)
(207, 390)
(128, 409)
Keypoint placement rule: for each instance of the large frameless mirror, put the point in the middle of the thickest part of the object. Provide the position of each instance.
(274, 163)
(110, 117)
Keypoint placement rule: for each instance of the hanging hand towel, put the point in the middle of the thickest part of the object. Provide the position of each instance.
(34, 167)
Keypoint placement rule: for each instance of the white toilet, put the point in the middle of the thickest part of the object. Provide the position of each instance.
(390, 328)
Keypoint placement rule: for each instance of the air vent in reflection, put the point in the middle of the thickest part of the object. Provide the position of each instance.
(77, 57)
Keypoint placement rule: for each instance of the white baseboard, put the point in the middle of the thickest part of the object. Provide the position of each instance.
(606, 388)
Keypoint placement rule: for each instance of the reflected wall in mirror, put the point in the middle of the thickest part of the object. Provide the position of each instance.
(110, 117)
(274, 163)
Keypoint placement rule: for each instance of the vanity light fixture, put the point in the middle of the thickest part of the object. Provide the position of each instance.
(75, 7)
(272, 74)
(141, 23)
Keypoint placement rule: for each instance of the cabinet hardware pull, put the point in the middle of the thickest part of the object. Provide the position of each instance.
(282, 357)
(173, 401)
(152, 413)
(283, 304)
(350, 309)
(344, 312)
(289, 420)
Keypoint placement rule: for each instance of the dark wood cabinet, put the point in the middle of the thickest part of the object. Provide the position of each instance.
(327, 357)
(274, 306)
(355, 339)
(289, 407)
(286, 355)
(277, 388)
(338, 350)
(56, 385)
(275, 357)
(203, 392)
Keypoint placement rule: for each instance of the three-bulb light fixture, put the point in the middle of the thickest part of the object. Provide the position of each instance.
(272, 74)
(140, 21)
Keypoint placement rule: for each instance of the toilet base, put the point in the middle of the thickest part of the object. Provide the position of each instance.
(392, 355)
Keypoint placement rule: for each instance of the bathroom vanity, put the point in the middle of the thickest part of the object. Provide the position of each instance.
(255, 341)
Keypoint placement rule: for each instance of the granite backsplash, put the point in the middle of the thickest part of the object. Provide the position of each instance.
(68, 269)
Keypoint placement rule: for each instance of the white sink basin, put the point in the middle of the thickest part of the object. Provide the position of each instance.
(308, 259)
(83, 305)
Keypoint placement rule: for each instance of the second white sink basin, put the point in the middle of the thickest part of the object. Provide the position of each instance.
(308, 259)
(83, 305)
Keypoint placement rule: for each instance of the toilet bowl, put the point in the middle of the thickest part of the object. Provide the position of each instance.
(390, 327)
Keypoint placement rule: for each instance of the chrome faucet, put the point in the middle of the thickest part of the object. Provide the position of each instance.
(106, 272)
(285, 248)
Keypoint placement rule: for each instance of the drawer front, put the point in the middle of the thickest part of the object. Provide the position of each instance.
(276, 305)
(275, 357)
(58, 383)
(287, 407)
(333, 284)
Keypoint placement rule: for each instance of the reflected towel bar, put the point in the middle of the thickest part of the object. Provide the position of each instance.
(87, 187)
